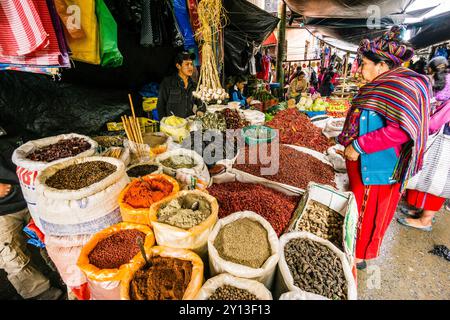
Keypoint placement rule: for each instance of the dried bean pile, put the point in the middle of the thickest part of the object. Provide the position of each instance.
(315, 268)
(295, 128)
(323, 222)
(245, 242)
(179, 212)
(62, 149)
(233, 119)
(295, 168)
(80, 175)
(141, 170)
(227, 292)
(274, 206)
(166, 279)
(116, 250)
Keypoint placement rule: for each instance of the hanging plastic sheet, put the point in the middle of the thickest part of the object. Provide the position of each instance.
(64, 59)
(66, 15)
(182, 15)
(85, 49)
(109, 51)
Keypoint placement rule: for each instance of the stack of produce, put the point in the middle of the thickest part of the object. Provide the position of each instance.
(338, 108)
(227, 292)
(295, 168)
(116, 250)
(163, 278)
(323, 222)
(217, 150)
(243, 242)
(233, 119)
(143, 192)
(309, 104)
(78, 176)
(185, 212)
(295, 128)
(316, 268)
(274, 206)
(62, 149)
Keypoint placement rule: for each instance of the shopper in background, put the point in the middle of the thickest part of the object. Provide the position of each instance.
(423, 206)
(326, 88)
(14, 215)
(385, 136)
(236, 94)
(298, 86)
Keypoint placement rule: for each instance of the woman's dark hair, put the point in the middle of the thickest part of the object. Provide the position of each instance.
(439, 67)
(300, 73)
(375, 58)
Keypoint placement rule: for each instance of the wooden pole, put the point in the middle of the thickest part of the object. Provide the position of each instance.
(347, 58)
(281, 41)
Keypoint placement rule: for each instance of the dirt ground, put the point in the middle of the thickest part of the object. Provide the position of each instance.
(405, 270)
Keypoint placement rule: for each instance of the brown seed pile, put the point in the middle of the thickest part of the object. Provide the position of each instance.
(323, 222)
(62, 149)
(316, 268)
(116, 250)
(80, 175)
(245, 242)
(166, 279)
(227, 292)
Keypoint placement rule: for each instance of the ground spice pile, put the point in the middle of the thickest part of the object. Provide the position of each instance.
(274, 206)
(295, 168)
(82, 175)
(245, 242)
(166, 279)
(185, 212)
(144, 192)
(227, 292)
(116, 250)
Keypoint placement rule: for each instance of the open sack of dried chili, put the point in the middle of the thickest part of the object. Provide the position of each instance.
(283, 166)
(184, 220)
(275, 206)
(173, 274)
(109, 254)
(136, 199)
(315, 267)
(295, 128)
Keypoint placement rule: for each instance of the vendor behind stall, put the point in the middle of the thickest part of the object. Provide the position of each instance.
(298, 85)
(236, 94)
(175, 93)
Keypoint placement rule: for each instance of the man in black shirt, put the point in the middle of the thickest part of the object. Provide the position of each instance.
(175, 92)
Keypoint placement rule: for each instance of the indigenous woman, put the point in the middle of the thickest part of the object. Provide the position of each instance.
(423, 205)
(385, 136)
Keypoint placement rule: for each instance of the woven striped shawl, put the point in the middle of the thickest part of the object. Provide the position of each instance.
(401, 96)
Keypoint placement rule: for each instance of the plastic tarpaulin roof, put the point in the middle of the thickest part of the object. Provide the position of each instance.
(432, 30)
(345, 8)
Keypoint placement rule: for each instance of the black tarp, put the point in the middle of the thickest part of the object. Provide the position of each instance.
(248, 27)
(432, 30)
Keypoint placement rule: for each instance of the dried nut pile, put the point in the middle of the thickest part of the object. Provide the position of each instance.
(227, 292)
(141, 170)
(323, 222)
(116, 250)
(233, 119)
(316, 268)
(82, 175)
(245, 242)
(185, 212)
(62, 149)
(165, 279)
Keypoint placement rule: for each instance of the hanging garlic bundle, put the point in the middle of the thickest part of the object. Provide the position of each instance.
(211, 15)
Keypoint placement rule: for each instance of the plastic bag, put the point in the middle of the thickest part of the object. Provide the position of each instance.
(66, 17)
(140, 215)
(109, 51)
(301, 295)
(336, 159)
(178, 133)
(252, 286)
(28, 170)
(285, 282)
(196, 277)
(85, 49)
(195, 238)
(265, 274)
(84, 211)
(97, 274)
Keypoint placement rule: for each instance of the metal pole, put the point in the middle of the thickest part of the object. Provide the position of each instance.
(281, 41)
